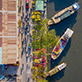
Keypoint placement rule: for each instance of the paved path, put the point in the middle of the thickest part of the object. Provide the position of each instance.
(26, 74)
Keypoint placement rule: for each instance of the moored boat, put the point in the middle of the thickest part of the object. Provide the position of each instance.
(56, 69)
(63, 14)
(61, 44)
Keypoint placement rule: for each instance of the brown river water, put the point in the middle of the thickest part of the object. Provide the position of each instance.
(72, 53)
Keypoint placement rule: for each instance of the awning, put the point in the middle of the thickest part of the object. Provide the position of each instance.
(76, 6)
(39, 5)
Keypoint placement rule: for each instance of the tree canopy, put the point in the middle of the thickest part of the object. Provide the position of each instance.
(45, 38)
(42, 80)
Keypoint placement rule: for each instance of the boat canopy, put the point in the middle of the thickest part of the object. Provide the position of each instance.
(69, 32)
(53, 71)
(76, 6)
(62, 66)
(64, 15)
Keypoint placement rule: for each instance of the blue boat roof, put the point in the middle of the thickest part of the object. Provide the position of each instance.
(76, 6)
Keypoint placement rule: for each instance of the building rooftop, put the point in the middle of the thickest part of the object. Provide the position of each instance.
(39, 4)
(8, 34)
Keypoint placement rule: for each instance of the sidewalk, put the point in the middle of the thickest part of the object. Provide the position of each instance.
(26, 62)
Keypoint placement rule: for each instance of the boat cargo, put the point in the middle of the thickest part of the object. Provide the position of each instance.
(56, 69)
(64, 14)
(61, 44)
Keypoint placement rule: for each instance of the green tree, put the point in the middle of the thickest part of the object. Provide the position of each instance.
(39, 53)
(42, 80)
(49, 38)
(43, 38)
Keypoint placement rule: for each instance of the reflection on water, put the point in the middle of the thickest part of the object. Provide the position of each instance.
(72, 53)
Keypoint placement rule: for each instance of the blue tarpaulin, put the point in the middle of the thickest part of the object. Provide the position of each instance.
(76, 6)
(62, 44)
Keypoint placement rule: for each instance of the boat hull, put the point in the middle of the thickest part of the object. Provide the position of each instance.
(55, 54)
(56, 69)
(63, 14)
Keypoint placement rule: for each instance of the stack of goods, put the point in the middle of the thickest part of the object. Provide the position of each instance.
(56, 50)
(63, 41)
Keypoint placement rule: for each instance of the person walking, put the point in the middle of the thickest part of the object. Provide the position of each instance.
(15, 75)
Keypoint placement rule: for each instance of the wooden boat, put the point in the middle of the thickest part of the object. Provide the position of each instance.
(61, 44)
(63, 14)
(56, 69)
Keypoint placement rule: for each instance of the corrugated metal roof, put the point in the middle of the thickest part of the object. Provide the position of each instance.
(0, 22)
(8, 37)
(11, 5)
(12, 17)
(0, 42)
(9, 50)
(0, 4)
(39, 5)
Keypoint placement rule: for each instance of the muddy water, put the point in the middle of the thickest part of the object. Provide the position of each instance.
(72, 53)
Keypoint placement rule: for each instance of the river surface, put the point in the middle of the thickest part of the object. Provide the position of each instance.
(72, 53)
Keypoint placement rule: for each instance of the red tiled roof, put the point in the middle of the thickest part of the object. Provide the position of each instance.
(0, 42)
(0, 22)
(0, 4)
(8, 32)
(11, 17)
(11, 5)
(9, 50)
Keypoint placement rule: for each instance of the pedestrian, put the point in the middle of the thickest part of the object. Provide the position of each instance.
(31, 54)
(9, 77)
(26, 39)
(15, 75)
(6, 67)
(28, 78)
(27, 55)
(23, 13)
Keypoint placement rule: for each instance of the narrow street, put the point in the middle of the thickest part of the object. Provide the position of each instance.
(26, 61)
